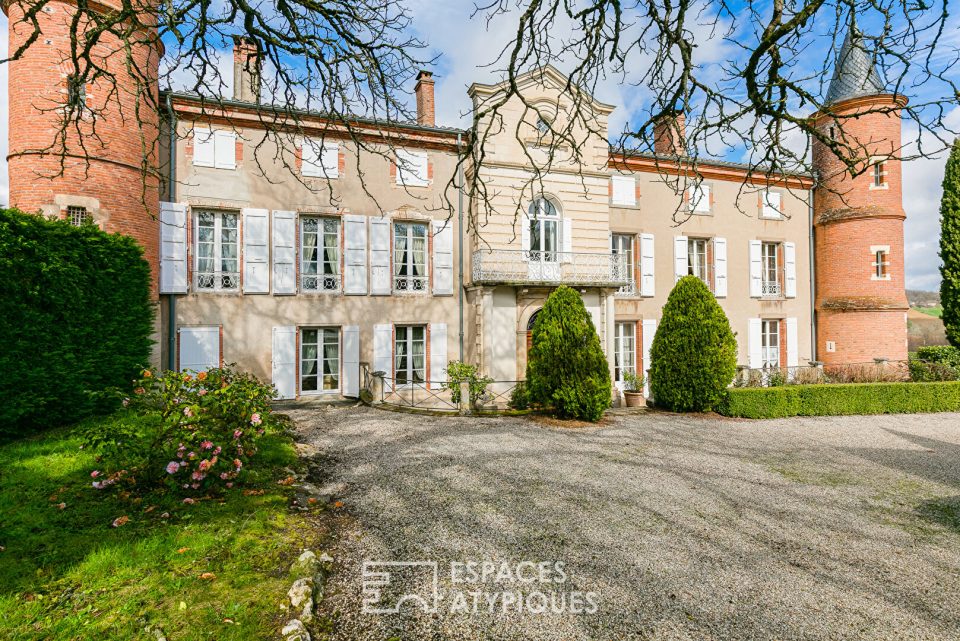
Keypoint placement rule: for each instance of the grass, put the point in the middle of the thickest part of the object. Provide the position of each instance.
(66, 573)
(936, 311)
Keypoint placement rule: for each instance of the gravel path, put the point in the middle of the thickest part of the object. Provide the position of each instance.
(681, 527)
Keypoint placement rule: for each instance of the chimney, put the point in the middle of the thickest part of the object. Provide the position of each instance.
(424, 91)
(246, 69)
(668, 135)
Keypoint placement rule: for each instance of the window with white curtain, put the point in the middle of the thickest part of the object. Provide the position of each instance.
(625, 350)
(697, 259)
(319, 254)
(319, 359)
(770, 343)
(544, 220)
(410, 257)
(409, 354)
(217, 251)
(770, 255)
(622, 245)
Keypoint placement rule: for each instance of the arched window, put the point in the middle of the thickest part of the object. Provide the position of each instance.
(544, 221)
(533, 320)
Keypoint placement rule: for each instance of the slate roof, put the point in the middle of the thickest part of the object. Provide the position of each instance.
(854, 74)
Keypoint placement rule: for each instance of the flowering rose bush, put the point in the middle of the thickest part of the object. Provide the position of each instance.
(203, 432)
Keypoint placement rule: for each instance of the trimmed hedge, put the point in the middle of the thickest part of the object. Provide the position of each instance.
(77, 320)
(841, 399)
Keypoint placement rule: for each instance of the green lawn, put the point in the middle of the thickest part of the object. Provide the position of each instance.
(931, 311)
(66, 573)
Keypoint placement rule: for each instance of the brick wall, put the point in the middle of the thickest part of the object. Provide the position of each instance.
(117, 185)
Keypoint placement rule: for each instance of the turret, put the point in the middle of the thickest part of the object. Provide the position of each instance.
(861, 302)
(112, 179)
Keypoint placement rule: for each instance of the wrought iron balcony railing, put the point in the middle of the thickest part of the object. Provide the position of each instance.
(503, 266)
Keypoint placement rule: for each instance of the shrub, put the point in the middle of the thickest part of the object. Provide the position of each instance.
(694, 353)
(842, 399)
(566, 368)
(950, 246)
(633, 382)
(457, 373)
(943, 354)
(77, 320)
(201, 432)
(520, 397)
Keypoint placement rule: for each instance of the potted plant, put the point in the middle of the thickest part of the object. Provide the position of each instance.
(633, 389)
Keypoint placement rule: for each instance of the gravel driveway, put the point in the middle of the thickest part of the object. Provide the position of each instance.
(677, 527)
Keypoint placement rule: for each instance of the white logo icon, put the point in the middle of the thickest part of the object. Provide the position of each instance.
(382, 580)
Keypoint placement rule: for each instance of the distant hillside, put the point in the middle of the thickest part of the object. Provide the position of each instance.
(919, 298)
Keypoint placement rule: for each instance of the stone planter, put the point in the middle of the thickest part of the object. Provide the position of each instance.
(634, 399)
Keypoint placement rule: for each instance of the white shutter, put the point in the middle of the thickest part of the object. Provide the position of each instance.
(566, 241)
(380, 255)
(256, 251)
(355, 254)
(756, 269)
(412, 168)
(203, 148)
(438, 353)
(173, 248)
(330, 160)
(225, 149)
(647, 264)
(772, 204)
(442, 257)
(284, 361)
(720, 267)
(680, 265)
(624, 190)
(284, 252)
(383, 352)
(793, 348)
(199, 348)
(319, 159)
(754, 343)
(525, 236)
(351, 360)
(649, 331)
(790, 269)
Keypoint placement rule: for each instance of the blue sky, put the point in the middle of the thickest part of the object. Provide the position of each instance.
(467, 46)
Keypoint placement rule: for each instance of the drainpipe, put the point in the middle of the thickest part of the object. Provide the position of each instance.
(460, 238)
(813, 280)
(172, 195)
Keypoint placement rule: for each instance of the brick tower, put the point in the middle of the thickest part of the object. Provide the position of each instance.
(861, 302)
(118, 188)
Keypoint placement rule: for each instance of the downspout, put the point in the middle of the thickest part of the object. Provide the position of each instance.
(460, 239)
(813, 279)
(172, 196)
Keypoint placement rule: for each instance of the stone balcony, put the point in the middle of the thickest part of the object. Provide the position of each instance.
(518, 267)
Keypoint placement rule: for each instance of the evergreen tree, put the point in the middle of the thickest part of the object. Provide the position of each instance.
(950, 246)
(694, 354)
(566, 368)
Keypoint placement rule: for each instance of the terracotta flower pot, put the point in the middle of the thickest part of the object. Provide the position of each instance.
(634, 399)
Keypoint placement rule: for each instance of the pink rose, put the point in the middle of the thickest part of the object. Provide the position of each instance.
(229, 484)
(126, 402)
(237, 434)
(94, 474)
(206, 445)
(203, 392)
(217, 451)
(255, 419)
(172, 467)
(237, 463)
(223, 476)
(189, 501)
(187, 412)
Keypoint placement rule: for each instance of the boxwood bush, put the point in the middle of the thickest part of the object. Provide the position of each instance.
(694, 353)
(77, 319)
(566, 369)
(842, 399)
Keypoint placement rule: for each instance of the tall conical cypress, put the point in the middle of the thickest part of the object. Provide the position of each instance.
(950, 246)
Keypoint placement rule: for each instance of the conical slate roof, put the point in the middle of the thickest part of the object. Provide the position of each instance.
(854, 74)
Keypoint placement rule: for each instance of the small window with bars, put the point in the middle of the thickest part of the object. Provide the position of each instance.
(78, 216)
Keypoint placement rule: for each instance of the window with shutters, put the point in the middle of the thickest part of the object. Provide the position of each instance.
(699, 197)
(622, 246)
(624, 191)
(624, 350)
(772, 204)
(770, 343)
(410, 354)
(698, 261)
(410, 257)
(319, 360)
(771, 256)
(320, 159)
(412, 168)
(320, 254)
(217, 251)
(78, 216)
(215, 148)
